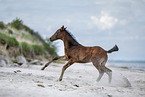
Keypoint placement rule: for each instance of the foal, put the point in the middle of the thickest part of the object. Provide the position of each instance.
(77, 53)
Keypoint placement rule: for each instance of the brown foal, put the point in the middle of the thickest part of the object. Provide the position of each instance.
(77, 53)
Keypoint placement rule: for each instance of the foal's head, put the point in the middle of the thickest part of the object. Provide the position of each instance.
(59, 34)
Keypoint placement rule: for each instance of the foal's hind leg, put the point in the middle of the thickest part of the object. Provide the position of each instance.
(100, 76)
(55, 58)
(98, 67)
(108, 72)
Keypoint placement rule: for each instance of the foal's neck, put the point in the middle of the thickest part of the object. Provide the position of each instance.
(69, 41)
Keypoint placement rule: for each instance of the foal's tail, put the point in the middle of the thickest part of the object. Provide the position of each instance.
(115, 48)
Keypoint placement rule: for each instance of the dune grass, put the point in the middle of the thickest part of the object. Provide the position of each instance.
(10, 41)
(29, 42)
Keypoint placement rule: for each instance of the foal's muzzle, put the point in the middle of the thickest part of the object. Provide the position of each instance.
(51, 39)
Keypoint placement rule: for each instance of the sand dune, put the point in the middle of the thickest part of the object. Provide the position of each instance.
(79, 81)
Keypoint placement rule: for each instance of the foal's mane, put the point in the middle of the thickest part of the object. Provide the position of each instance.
(71, 35)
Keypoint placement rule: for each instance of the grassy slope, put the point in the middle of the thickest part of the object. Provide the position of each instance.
(30, 43)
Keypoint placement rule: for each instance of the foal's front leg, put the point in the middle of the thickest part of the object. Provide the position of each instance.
(69, 63)
(55, 58)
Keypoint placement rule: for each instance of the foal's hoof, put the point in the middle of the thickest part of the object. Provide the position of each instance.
(60, 79)
(43, 68)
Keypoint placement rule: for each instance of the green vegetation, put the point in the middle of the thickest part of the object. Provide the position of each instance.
(38, 49)
(10, 41)
(17, 24)
(10, 31)
(31, 51)
(25, 49)
(48, 46)
(34, 45)
(2, 25)
(3, 38)
(29, 37)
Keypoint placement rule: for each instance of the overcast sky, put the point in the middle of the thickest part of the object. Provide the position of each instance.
(92, 22)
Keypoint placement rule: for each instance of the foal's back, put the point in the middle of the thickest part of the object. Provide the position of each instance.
(84, 54)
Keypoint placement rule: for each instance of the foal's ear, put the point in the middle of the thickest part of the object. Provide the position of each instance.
(62, 28)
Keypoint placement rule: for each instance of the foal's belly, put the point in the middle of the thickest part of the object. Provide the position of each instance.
(83, 59)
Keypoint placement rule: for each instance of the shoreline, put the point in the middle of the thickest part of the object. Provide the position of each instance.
(128, 65)
(79, 80)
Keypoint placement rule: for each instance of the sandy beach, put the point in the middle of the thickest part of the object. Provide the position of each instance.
(79, 81)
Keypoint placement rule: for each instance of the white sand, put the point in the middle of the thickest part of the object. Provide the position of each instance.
(79, 81)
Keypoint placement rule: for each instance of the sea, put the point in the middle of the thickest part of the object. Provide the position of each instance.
(134, 65)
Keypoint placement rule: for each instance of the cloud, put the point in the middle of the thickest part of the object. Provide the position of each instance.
(105, 21)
